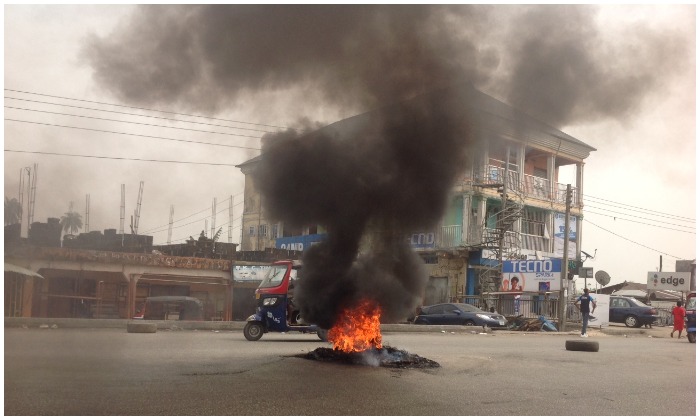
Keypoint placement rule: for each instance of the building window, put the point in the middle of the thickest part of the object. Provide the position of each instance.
(262, 230)
(533, 222)
(274, 231)
(252, 230)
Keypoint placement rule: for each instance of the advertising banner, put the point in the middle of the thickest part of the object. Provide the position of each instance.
(559, 225)
(601, 316)
(679, 282)
(299, 243)
(531, 275)
(253, 273)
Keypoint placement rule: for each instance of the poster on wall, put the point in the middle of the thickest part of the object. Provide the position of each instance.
(559, 226)
(531, 275)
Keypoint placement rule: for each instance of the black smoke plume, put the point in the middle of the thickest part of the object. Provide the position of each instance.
(373, 176)
(369, 180)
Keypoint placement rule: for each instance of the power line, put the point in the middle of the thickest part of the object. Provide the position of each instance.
(140, 115)
(153, 230)
(121, 158)
(131, 122)
(639, 217)
(634, 242)
(648, 211)
(143, 109)
(136, 135)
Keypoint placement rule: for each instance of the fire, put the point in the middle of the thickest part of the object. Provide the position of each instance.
(357, 329)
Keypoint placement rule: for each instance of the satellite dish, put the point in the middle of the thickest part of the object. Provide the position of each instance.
(602, 277)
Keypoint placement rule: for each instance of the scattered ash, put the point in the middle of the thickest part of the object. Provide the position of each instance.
(388, 357)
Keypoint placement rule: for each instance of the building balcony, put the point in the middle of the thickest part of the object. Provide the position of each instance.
(528, 186)
(450, 237)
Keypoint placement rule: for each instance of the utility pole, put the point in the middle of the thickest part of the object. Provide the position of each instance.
(565, 263)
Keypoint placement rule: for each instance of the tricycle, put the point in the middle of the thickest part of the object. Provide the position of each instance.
(275, 311)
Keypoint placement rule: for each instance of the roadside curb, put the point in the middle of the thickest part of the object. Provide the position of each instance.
(239, 325)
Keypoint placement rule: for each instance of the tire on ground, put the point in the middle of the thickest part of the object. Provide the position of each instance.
(141, 327)
(582, 345)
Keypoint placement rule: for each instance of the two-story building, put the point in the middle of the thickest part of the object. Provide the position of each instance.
(508, 205)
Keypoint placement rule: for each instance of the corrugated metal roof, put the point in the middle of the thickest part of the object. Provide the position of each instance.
(21, 270)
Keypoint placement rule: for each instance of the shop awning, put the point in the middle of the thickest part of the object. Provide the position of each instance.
(21, 270)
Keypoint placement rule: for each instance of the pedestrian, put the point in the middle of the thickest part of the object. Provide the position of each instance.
(678, 318)
(584, 304)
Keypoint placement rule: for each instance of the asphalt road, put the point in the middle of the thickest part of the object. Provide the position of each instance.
(111, 372)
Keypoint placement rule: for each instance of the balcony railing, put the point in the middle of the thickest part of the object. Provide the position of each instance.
(531, 186)
(451, 237)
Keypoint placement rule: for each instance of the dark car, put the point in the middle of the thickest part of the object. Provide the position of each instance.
(458, 314)
(690, 313)
(631, 312)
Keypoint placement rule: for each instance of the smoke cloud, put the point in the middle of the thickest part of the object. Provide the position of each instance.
(387, 171)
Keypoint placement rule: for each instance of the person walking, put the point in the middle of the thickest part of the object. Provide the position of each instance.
(678, 318)
(586, 304)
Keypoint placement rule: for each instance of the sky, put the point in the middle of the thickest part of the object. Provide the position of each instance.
(619, 78)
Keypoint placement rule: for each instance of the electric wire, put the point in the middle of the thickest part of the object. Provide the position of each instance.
(143, 109)
(630, 240)
(191, 215)
(642, 210)
(131, 122)
(140, 115)
(135, 135)
(638, 217)
(154, 230)
(121, 158)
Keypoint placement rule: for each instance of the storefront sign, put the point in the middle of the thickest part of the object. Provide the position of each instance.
(425, 240)
(668, 281)
(250, 272)
(531, 275)
(299, 243)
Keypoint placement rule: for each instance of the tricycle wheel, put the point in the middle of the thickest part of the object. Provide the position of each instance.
(691, 337)
(322, 334)
(253, 331)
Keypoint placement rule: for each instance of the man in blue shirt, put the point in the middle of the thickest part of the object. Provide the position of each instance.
(584, 304)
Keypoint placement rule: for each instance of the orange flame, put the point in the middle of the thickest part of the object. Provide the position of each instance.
(357, 329)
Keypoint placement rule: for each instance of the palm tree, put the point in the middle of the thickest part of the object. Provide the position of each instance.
(72, 221)
(13, 211)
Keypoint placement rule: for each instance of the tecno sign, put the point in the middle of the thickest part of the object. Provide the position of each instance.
(668, 281)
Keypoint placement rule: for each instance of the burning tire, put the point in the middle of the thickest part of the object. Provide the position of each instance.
(253, 331)
(582, 345)
(322, 334)
(141, 327)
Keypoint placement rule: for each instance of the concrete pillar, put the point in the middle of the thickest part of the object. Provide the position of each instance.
(579, 184)
(466, 217)
(228, 303)
(551, 175)
(131, 295)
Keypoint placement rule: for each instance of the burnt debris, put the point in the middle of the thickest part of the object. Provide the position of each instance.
(388, 357)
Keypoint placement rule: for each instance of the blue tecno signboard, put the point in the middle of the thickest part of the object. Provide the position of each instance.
(531, 275)
(299, 243)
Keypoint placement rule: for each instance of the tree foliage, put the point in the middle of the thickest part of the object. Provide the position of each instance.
(72, 221)
(13, 211)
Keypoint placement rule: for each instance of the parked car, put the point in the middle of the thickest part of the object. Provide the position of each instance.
(458, 314)
(631, 312)
(690, 313)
